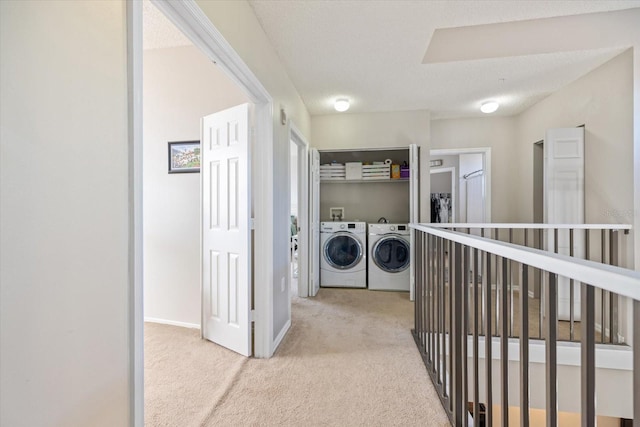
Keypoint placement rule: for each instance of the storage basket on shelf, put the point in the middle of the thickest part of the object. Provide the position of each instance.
(380, 171)
(331, 171)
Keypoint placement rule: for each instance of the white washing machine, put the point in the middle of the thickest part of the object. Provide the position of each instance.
(343, 254)
(389, 257)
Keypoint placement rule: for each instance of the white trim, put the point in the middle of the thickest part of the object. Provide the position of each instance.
(486, 165)
(454, 183)
(607, 356)
(611, 278)
(263, 234)
(517, 225)
(172, 323)
(136, 301)
(302, 145)
(282, 333)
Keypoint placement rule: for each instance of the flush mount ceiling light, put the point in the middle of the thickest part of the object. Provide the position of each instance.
(341, 104)
(489, 107)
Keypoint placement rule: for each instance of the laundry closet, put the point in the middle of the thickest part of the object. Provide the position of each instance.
(366, 199)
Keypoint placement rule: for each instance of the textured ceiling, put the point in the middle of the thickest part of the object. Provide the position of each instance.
(157, 31)
(372, 52)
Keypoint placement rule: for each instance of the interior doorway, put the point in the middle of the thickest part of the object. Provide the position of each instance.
(299, 212)
(192, 22)
(443, 195)
(471, 187)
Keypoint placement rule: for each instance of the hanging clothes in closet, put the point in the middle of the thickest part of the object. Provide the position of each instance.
(441, 207)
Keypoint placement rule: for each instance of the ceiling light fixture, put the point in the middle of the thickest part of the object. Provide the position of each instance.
(341, 104)
(489, 107)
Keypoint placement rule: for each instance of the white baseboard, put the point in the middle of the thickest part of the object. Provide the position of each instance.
(172, 323)
(280, 337)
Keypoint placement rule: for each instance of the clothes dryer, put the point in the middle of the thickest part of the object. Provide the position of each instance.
(343, 259)
(389, 257)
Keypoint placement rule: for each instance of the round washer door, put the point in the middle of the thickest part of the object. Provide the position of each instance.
(391, 254)
(343, 251)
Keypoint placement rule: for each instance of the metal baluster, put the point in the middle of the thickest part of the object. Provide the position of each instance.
(504, 347)
(432, 302)
(488, 340)
(496, 311)
(452, 261)
(439, 286)
(603, 294)
(571, 291)
(524, 345)
(510, 289)
(483, 290)
(463, 336)
(540, 290)
(588, 355)
(613, 298)
(476, 353)
(551, 374)
(416, 271)
(636, 362)
(456, 333)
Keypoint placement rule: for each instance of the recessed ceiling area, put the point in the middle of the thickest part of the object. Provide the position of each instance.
(372, 52)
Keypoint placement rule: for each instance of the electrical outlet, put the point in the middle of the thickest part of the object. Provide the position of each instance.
(283, 284)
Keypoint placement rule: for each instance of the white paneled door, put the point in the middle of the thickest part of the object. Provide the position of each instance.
(564, 203)
(226, 229)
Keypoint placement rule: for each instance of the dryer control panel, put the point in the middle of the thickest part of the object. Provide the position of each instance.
(333, 226)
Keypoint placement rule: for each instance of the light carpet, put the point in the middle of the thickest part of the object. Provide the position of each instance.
(348, 360)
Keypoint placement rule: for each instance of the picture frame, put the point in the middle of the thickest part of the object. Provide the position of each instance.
(184, 156)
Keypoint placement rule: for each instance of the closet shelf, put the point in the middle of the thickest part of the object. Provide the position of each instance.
(361, 181)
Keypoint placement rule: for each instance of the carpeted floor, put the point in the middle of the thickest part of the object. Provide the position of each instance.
(348, 360)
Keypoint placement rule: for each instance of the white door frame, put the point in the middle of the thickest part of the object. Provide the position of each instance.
(454, 182)
(486, 165)
(302, 145)
(189, 18)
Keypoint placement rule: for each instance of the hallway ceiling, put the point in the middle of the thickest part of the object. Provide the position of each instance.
(443, 56)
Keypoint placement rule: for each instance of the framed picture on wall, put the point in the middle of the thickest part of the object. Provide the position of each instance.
(184, 156)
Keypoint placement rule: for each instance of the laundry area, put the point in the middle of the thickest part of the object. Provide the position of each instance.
(365, 209)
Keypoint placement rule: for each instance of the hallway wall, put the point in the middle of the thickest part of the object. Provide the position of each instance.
(65, 225)
(498, 133)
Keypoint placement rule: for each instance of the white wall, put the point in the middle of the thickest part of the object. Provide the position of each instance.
(240, 27)
(180, 86)
(378, 130)
(64, 187)
(601, 100)
(498, 133)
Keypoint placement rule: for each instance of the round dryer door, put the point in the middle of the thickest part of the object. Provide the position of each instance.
(343, 251)
(391, 254)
